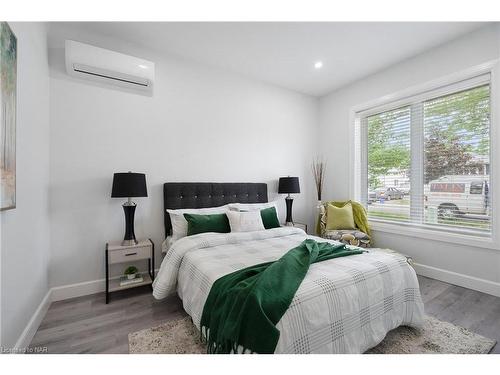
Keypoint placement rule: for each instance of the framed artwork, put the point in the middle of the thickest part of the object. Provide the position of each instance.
(8, 82)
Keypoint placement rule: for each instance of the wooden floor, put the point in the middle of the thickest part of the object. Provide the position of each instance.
(88, 325)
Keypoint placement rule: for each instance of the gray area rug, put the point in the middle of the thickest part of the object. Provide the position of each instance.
(181, 337)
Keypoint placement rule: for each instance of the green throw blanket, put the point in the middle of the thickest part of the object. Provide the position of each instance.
(243, 308)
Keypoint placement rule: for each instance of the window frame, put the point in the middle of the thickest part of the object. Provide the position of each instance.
(439, 87)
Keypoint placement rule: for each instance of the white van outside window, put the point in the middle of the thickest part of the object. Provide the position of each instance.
(459, 200)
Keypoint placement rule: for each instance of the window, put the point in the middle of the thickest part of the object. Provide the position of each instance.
(476, 187)
(388, 140)
(425, 160)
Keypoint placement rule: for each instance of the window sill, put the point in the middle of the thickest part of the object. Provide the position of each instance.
(410, 230)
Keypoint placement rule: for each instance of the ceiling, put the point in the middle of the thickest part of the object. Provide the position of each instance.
(284, 54)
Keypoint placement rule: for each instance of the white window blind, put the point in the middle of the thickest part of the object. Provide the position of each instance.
(425, 160)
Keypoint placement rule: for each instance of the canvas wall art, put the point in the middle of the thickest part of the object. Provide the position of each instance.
(8, 82)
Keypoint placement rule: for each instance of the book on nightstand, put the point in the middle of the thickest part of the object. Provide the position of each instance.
(126, 281)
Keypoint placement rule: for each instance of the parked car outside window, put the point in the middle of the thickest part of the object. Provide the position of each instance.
(385, 194)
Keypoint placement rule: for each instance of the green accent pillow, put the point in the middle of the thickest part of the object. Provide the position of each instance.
(218, 223)
(269, 218)
(339, 217)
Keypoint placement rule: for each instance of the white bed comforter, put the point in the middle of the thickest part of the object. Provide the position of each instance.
(344, 305)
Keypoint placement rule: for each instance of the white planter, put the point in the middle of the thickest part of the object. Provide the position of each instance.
(130, 277)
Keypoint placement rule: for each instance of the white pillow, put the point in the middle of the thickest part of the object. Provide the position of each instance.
(245, 221)
(254, 207)
(179, 223)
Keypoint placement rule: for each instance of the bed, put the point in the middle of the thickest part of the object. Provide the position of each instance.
(344, 305)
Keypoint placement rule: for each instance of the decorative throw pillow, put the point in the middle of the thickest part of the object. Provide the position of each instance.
(179, 223)
(340, 217)
(270, 218)
(245, 221)
(253, 206)
(207, 223)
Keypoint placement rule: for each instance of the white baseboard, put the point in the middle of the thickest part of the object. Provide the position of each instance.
(60, 293)
(466, 281)
(33, 324)
(86, 288)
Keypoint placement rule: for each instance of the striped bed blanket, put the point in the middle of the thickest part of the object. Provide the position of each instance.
(344, 305)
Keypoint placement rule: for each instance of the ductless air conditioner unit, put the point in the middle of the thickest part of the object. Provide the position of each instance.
(102, 65)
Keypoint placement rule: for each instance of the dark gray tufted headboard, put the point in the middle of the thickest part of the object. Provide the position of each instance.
(178, 195)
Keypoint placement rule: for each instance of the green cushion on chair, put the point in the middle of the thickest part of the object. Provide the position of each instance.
(340, 217)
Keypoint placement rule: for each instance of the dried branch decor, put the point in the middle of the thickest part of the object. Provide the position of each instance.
(318, 169)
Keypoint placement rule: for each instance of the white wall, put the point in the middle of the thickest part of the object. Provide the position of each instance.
(471, 50)
(25, 230)
(201, 124)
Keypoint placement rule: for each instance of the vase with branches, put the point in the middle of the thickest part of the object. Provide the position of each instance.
(318, 170)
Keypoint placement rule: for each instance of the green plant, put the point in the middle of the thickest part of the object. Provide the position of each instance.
(131, 270)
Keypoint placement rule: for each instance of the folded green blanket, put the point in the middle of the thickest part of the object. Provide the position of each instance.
(243, 307)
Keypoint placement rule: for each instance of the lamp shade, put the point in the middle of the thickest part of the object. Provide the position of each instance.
(288, 185)
(129, 185)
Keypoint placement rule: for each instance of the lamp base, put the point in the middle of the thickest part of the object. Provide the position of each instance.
(129, 210)
(129, 242)
(289, 224)
(289, 202)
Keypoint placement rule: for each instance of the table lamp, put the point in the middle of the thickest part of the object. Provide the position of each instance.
(129, 185)
(288, 185)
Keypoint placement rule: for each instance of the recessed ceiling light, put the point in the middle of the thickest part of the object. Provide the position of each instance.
(143, 66)
(318, 64)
